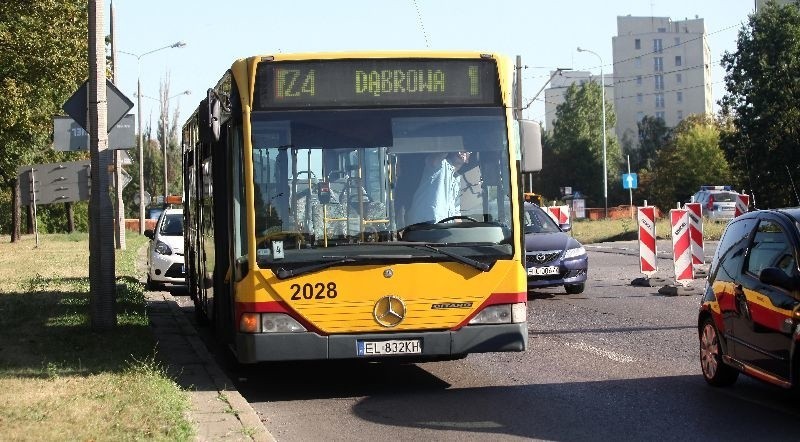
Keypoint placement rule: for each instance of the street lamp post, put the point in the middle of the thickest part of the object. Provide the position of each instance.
(178, 44)
(603, 98)
(166, 139)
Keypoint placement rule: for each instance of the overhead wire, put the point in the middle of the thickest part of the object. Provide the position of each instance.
(650, 75)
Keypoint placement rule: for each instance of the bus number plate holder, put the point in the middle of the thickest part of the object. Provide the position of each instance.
(391, 347)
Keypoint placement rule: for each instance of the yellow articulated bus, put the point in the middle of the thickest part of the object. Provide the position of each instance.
(359, 205)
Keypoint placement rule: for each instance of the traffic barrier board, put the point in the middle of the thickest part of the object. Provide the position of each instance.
(681, 246)
(696, 233)
(560, 214)
(647, 240)
(742, 204)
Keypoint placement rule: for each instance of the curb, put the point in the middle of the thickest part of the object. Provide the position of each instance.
(218, 411)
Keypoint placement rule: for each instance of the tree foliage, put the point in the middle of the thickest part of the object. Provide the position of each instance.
(575, 156)
(43, 47)
(691, 158)
(763, 87)
(653, 135)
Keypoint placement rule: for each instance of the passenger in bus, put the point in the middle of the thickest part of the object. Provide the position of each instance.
(437, 196)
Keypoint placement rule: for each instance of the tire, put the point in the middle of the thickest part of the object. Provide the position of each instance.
(715, 371)
(151, 285)
(574, 289)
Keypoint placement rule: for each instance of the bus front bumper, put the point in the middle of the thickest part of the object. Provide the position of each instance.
(446, 344)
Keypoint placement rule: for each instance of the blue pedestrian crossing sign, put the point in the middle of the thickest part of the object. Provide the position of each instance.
(630, 181)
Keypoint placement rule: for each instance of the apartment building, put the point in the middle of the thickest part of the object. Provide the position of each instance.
(662, 68)
(554, 95)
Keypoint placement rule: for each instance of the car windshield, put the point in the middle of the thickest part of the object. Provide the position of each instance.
(724, 197)
(536, 221)
(172, 225)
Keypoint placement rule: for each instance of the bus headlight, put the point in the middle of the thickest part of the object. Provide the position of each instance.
(280, 323)
(501, 314)
(269, 323)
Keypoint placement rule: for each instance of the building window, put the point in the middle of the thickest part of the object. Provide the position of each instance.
(659, 79)
(679, 96)
(659, 101)
(677, 41)
(660, 116)
(678, 78)
(680, 115)
(639, 80)
(637, 62)
(637, 44)
(658, 64)
(657, 45)
(662, 30)
(639, 98)
(678, 61)
(639, 116)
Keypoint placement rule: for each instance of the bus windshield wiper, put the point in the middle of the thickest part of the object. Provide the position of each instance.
(283, 273)
(482, 266)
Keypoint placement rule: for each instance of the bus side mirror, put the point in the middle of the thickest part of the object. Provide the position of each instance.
(214, 114)
(530, 134)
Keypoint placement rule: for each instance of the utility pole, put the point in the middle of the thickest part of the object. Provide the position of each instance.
(518, 92)
(102, 284)
(119, 225)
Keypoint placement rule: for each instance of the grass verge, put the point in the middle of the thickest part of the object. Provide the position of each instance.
(627, 229)
(59, 380)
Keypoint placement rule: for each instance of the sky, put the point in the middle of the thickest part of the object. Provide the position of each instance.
(544, 33)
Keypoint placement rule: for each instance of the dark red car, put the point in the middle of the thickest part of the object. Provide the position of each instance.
(750, 312)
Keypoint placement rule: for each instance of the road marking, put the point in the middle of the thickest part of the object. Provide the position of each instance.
(616, 357)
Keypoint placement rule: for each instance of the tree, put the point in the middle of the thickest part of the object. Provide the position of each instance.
(653, 135)
(692, 158)
(577, 145)
(763, 87)
(43, 47)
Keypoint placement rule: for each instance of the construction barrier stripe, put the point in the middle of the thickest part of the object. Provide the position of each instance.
(560, 214)
(647, 240)
(742, 203)
(681, 245)
(696, 232)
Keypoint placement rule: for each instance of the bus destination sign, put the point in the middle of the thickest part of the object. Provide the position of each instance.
(376, 82)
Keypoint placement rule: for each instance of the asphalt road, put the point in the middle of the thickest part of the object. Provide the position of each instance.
(616, 362)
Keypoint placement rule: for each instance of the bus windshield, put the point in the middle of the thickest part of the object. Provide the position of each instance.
(349, 177)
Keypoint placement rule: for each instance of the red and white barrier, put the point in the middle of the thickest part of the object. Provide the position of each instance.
(647, 240)
(560, 214)
(681, 246)
(696, 232)
(742, 204)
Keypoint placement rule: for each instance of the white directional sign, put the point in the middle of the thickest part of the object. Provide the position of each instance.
(125, 178)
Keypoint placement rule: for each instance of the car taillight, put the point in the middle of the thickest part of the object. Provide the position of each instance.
(710, 203)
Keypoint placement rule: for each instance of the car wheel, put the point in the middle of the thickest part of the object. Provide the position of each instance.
(152, 285)
(715, 372)
(574, 289)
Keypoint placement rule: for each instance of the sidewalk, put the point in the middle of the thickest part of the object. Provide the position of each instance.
(218, 411)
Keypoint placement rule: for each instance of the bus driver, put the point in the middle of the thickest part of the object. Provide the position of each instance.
(437, 196)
